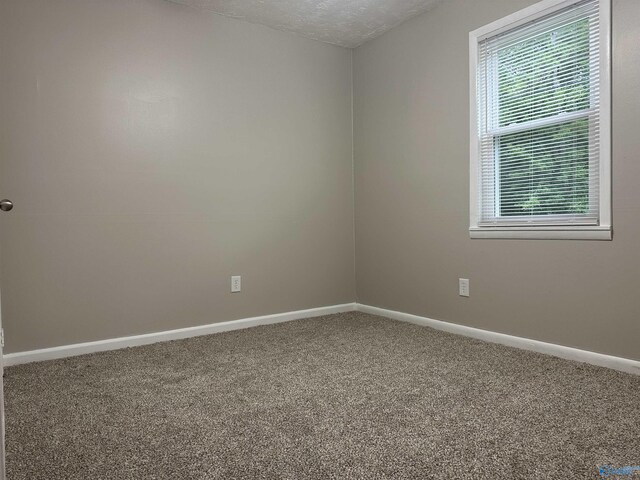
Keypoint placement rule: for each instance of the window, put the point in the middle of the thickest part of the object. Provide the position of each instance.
(540, 123)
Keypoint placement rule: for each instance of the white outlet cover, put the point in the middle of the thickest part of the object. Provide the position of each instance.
(236, 283)
(463, 287)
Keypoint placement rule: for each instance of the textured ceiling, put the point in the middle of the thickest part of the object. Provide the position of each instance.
(348, 23)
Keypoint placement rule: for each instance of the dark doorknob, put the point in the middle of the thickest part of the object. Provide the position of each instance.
(6, 205)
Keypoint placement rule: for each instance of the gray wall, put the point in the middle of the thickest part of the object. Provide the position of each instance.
(153, 150)
(412, 184)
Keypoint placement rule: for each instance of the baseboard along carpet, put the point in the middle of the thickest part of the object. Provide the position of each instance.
(350, 396)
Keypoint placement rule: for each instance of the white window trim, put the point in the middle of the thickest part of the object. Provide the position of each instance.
(602, 231)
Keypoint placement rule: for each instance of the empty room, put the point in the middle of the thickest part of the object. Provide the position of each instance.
(319, 239)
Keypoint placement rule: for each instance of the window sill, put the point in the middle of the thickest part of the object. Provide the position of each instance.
(543, 233)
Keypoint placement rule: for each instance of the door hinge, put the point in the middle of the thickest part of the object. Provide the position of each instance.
(2, 337)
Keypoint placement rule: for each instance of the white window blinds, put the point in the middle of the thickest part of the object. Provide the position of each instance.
(538, 106)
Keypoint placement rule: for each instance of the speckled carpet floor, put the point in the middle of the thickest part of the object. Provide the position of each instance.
(342, 396)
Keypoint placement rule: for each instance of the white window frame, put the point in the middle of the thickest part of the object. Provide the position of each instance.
(601, 231)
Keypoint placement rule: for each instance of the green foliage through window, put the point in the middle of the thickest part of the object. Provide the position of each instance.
(544, 171)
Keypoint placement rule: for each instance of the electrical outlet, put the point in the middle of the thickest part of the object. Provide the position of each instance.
(236, 283)
(463, 287)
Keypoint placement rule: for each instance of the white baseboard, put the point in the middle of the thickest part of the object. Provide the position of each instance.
(616, 363)
(146, 339)
(568, 353)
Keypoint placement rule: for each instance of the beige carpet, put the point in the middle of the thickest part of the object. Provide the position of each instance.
(342, 396)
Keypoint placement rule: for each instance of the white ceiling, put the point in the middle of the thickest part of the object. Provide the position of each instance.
(347, 23)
